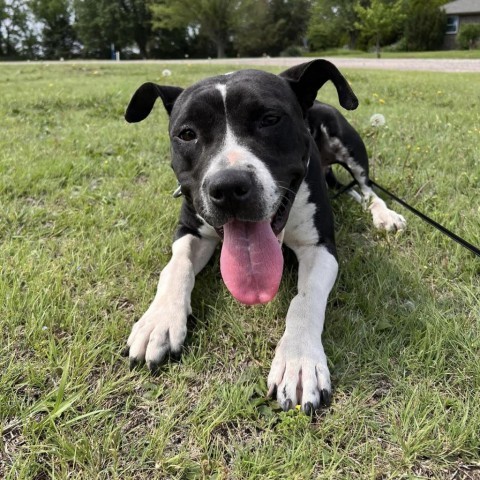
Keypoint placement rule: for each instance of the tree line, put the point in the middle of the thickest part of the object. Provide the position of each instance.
(54, 29)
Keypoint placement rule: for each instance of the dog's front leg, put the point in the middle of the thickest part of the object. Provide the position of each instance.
(299, 372)
(163, 327)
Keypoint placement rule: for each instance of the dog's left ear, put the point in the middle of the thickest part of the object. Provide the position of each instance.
(144, 98)
(307, 78)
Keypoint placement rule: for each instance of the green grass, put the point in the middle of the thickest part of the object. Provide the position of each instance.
(343, 52)
(85, 223)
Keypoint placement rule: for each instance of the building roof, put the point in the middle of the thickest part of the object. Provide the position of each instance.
(462, 7)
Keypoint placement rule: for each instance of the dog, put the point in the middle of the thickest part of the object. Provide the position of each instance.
(245, 149)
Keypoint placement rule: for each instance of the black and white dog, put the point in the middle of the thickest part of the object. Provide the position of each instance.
(251, 175)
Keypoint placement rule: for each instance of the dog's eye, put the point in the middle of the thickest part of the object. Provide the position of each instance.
(187, 135)
(269, 120)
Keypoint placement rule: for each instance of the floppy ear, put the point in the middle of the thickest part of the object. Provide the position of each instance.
(307, 78)
(144, 98)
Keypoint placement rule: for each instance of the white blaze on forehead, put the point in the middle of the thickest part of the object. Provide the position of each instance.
(222, 88)
(232, 154)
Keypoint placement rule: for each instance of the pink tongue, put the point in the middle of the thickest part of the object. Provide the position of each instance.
(251, 261)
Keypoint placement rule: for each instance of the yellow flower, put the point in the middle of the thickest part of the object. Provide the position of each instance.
(381, 100)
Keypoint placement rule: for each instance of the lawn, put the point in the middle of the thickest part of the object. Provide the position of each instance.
(86, 221)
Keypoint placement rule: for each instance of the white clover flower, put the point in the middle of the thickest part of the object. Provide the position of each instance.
(377, 120)
(166, 73)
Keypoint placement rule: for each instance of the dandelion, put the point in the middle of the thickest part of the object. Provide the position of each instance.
(166, 73)
(381, 100)
(377, 120)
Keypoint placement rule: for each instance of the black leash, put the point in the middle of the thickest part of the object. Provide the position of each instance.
(344, 189)
(435, 224)
(424, 217)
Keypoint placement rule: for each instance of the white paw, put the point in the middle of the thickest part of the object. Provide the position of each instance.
(161, 331)
(300, 375)
(384, 218)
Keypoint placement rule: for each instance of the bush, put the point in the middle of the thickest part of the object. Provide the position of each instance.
(424, 26)
(292, 51)
(469, 35)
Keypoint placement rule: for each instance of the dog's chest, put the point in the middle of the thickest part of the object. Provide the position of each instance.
(300, 227)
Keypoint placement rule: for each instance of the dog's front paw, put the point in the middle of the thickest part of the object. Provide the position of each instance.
(384, 218)
(300, 375)
(160, 331)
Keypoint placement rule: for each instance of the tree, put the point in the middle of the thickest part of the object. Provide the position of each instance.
(58, 36)
(16, 34)
(287, 23)
(138, 19)
(379, 19)
(333, 22)
(214, 18)
(99, 24)
(270, 26)
(424, 25)
(123, 23)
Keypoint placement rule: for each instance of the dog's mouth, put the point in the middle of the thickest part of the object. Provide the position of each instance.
(251, 261)
(278, 220)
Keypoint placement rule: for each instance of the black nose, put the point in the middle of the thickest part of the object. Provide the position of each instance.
(230, 188)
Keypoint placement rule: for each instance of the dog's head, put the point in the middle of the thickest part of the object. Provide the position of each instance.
(240, 146)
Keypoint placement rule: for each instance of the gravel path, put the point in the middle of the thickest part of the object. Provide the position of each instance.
(413, 64)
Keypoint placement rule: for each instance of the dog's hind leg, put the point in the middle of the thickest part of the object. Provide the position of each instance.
(163, 327)
(357, 164)
(382, 216)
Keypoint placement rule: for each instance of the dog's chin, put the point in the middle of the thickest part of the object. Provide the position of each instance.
(277, 221)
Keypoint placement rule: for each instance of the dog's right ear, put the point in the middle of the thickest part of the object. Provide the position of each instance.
(307, 78)
(144, 98)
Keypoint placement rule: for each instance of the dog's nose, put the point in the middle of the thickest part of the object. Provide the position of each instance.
(230, 188)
